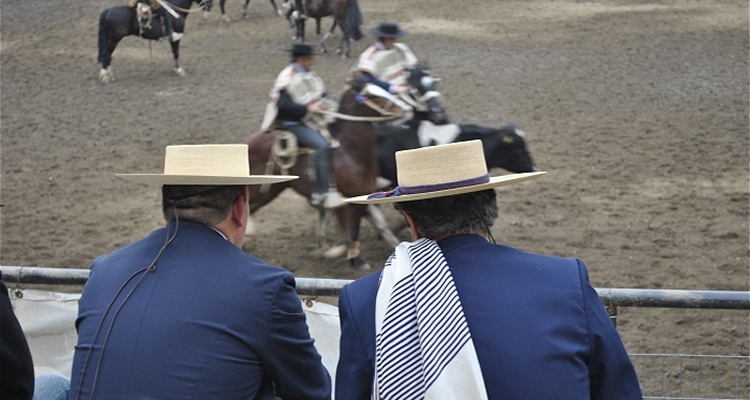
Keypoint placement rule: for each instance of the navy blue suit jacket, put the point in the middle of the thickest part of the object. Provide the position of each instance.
(210, 322)
(538, 326)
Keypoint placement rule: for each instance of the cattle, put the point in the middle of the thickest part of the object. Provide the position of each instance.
(504, 147)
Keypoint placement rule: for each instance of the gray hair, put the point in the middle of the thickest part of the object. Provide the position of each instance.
(460, 214)
(207, 205)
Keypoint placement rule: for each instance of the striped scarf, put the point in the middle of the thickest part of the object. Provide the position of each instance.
(423, 344)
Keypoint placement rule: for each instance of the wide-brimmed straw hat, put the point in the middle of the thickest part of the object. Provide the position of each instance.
(439, 171)
(388, 29)
(207, 164)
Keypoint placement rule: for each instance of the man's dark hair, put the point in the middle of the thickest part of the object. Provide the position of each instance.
(464, 213)
(207, 205)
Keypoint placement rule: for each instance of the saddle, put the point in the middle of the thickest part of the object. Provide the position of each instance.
(145, 15)
(285, 151)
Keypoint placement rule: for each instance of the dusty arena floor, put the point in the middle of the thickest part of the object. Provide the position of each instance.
(638, 110)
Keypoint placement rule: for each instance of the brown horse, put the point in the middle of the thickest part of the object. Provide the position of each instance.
(346, 15)
(354, 166)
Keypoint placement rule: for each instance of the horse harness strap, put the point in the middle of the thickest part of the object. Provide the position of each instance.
(420, 102)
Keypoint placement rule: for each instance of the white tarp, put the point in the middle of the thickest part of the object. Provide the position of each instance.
(48, 320)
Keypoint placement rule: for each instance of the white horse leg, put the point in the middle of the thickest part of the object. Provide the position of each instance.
(377, 219)
(179, 71)
(323, 220)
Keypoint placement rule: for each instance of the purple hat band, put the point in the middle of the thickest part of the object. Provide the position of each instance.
(406, 190)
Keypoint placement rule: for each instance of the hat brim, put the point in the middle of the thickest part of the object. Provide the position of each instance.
(206, 180)
(494, 182)
(377, 32)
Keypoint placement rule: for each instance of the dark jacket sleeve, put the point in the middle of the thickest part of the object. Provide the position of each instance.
(288, 109)
(355, 370)
(16, 367)
(290, 357)
(375, 81)
(610, 369)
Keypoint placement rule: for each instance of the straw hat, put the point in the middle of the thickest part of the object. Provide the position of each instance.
(440, 171)
(206, 164)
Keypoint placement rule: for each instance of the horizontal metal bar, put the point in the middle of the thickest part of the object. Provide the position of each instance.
(616, 297)
(710, 299)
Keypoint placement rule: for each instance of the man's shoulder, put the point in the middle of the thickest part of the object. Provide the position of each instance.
(364, 284)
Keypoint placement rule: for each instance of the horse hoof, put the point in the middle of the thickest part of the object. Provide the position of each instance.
(225, 18)
(279, 13)
(359, 264)
(335, 252)
(205, 14)
(106, 76)
(179, 71)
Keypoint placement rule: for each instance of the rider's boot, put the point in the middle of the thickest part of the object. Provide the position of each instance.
(324, 195)
(168, 30)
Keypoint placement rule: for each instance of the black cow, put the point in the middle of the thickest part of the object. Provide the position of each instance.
(504, 147)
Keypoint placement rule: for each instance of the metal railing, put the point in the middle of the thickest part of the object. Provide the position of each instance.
(661, 376)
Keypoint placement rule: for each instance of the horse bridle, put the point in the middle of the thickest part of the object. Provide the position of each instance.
(385, 114)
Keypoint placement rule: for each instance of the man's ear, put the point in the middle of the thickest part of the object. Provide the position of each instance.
(238, 211)
(412, 226)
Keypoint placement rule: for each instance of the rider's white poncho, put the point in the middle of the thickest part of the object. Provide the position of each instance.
(388, 65)
(303, 87)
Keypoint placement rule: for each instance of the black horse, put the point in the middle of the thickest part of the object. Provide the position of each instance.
(117, 22)
(346, 14)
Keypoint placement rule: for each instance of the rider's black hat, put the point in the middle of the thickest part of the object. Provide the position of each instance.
(302, 50)
(388, 29)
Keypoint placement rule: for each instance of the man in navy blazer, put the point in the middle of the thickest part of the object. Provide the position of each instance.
(538, 328)
(184, 313)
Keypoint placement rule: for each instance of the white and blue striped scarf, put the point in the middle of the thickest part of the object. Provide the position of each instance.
(423, 344)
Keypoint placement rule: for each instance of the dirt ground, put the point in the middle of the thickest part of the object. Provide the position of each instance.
(637, 109)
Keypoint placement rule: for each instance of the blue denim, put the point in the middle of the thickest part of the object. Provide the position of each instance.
(311, 138)
(51, 387)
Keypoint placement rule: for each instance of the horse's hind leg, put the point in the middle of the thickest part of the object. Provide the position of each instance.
(323, 221)
(321, 38)
(244, 8)
(224, 16)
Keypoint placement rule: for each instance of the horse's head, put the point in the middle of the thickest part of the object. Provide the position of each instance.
(379, 103)
(425, 95)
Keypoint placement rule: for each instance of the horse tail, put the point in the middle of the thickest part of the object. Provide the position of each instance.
(103, 39)
(353, 20)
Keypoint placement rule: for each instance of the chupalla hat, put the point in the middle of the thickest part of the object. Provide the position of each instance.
(301, 49)
(439, 171)
(388, 29)
(207, 164)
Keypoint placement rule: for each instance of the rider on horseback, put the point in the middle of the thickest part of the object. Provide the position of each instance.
(296, 100)
(162, 12)
(385, 63)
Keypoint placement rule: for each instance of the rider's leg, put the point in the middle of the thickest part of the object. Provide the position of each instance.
(167, 19)
(311, 138)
